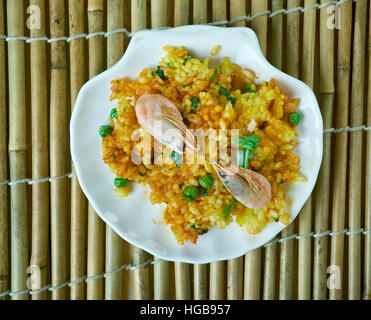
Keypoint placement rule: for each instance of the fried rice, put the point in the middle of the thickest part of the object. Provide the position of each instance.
(263, 110)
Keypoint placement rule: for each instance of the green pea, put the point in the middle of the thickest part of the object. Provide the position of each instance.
(294, 118)
(190, 193)
(105, 130)
(206, 181)
(121, 182)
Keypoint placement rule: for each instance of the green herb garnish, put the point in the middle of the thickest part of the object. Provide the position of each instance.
(217, 68)
(177, 158)
(231, 99)
(203, 231)
(213, 77)
(248, 156)
(205, 192)
(223, 91)
(241, 157)
(161, 74)
(228, 208)
(250, 142)
(282, 181)
(194, 101)
(183, 85)
(248, 89)
(275, 219)
(186, 59)
(142, 174)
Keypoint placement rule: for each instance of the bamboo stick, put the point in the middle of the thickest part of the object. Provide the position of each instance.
(200, 283)
(292, 57)
(96, 227)
(95, 260)
(259, 25)
(58, 151)
(235, 266)
(181, 12)
(305, 216)
(269, 278)
(78, 200)
(17, 149)
(138, 15)
(114, 244)
(252, 258)
(200, 274)
(292, 67)
(217, 280)
(140, 288)
(367, 272)
(235, 279)
(341, 144)
(286, 265)
(199, 11)
(219, 10)
(355, 150)
(322, 191)
(182, 281)
(161, 269)
(140, 277)
(276, 52)
(309, 38)
(114, 258)
(40, 156)
(4, 210)
(159, 13)
(286, 258)
(252, 275)
(182, 270)
(237, 8)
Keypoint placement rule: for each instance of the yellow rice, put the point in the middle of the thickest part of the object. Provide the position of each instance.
(267, 107)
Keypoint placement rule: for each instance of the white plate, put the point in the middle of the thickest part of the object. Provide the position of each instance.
(132, 217)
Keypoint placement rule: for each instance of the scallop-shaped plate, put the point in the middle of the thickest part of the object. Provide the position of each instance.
(133, 217)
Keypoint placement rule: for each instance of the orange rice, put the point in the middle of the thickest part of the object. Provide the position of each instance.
(265, 112)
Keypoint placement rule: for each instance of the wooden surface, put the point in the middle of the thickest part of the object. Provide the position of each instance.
(52, 243)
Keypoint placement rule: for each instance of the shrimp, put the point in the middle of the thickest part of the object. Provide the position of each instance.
(160, 117)
(248, 187)
(156, 114)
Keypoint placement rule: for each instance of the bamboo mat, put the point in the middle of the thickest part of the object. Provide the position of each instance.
(52, 243)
